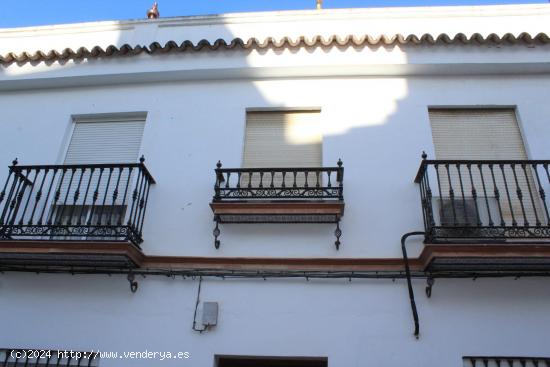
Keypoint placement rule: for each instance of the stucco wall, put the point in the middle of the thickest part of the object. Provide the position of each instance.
(374, 116)
(378, 126)
(355, 324)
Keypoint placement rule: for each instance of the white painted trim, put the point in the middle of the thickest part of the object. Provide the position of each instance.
(69, 130)
(488, 69)
(110, 117)
(293, 15)
(471, 107)
(522, 133)
(283, 109)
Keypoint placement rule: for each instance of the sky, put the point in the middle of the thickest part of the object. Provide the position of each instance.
(22, 13)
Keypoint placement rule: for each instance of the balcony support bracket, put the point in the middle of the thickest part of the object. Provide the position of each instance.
(216, 232)
(338, 234)
(430, 282)
(132, 280)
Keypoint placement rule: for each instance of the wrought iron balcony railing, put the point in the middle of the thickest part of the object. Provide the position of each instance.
(96, 202)
(48, 358)
(313, 183)
(278, 195)
(508, 361)
(485, 200)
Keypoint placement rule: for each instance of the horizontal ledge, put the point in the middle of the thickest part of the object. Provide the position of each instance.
(200, 263)
(43, 249)
(291, 264)
(489, 253)
(62, 79)
(311, 264)
(273, 208)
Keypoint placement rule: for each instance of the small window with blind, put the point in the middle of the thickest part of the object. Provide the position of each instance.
(465, 196)
(282, 139)
(476, 133)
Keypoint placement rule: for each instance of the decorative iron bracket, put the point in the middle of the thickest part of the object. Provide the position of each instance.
(338, 234)
(430, 282)
(133, 284)
(216, 232)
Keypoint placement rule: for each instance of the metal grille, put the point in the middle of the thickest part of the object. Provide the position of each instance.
(47, 358)
(500, 200)
(285, 184)
(484, 265)
(281, 185)
(505, 362)
(280, 218)
(75, 202)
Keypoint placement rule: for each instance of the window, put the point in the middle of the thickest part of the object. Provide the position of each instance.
(98, 140)
(282, 139)
(478, 134)
(282, 179)
(106, 139)
(234, 361)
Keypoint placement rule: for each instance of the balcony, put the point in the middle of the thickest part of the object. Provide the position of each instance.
(485, 215)
(279, 195)
(74, 215)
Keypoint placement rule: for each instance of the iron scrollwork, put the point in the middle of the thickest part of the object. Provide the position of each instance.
(97, 202)
(484, 200)
(322, 184)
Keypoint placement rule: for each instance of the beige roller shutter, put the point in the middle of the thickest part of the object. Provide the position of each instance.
(480, 134)
(96, 141)
(105, 142)
(476, 134)
(282, 139)
(288, 139)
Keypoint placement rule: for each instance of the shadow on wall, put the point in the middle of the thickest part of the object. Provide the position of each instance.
(375, 124)
(362, 121)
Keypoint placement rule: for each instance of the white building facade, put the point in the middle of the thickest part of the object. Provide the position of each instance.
(275, 98)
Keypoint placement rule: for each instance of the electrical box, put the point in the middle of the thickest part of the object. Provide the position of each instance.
(210, 313)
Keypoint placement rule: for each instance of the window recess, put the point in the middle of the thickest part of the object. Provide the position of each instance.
(485, 205)
(282, 179)
(91, 208)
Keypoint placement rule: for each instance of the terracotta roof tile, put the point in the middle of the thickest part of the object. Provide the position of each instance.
(286, 42)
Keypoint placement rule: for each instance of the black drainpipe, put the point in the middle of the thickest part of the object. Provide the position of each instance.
(409, 282)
